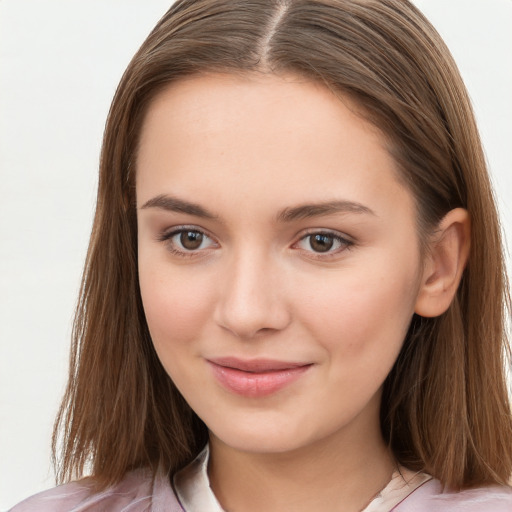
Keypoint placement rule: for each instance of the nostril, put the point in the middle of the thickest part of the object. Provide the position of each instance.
(250, 303)
(255, 322)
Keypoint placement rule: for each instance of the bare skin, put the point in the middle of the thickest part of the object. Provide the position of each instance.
(316, 477)
(273, 231)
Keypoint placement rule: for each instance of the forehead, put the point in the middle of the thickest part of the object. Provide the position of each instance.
(260, 136)
(254, 104)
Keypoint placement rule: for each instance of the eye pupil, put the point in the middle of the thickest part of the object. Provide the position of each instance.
(191, 239)
(321, 243)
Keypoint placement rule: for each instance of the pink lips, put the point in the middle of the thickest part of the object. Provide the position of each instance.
(256, 378)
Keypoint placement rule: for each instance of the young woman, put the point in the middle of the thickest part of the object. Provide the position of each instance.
(294, 295)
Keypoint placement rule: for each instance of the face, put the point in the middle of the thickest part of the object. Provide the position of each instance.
(278, 257)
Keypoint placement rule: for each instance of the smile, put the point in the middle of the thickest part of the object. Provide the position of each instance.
(256, 378)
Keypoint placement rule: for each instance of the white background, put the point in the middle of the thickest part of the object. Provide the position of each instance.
(60, 62)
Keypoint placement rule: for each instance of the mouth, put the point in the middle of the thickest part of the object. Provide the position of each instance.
(258, 377)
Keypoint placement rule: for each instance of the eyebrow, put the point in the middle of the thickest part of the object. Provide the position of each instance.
(173, 204)
(307, 211)
(300, 212)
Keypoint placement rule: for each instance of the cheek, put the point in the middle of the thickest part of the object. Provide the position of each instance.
(176, 306)
(362, 314)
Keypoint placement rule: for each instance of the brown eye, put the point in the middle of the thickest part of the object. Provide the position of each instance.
(191, 240)
(321, 242)
(188, 242)
(325, 243)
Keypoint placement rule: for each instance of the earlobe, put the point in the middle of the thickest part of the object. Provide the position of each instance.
(444, 265)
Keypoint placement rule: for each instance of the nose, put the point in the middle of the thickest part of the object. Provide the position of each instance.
(251, 300)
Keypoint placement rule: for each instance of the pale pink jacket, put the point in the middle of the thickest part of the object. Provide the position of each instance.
(140, 492)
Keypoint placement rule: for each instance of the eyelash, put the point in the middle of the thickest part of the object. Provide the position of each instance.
(344, 243)
(167, 237)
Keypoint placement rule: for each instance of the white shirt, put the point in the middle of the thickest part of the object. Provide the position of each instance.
(192, 487)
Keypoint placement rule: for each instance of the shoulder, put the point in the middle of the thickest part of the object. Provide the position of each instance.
(430, 497)
(138, 491)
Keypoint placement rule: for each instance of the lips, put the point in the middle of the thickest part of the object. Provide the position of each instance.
(258, 377)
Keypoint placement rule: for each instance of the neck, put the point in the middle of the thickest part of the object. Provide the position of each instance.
(341, 472)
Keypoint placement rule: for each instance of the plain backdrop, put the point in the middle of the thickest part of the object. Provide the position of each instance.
(60, 62)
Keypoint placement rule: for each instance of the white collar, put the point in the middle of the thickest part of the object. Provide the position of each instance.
(192, 486)
(193, 490)
(403, 482)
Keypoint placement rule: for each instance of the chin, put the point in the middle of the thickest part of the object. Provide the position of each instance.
(263, 444)
(270, 434)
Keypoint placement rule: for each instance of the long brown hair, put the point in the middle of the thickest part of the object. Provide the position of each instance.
(445, 407)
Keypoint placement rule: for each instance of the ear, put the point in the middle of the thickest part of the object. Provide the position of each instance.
(444, 264)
